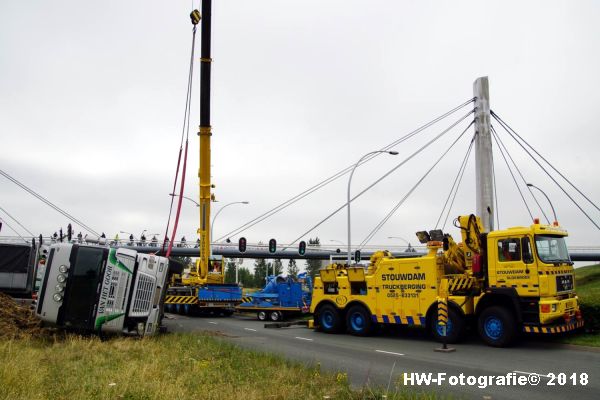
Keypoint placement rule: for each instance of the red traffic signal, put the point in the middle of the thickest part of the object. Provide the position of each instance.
(242, 245)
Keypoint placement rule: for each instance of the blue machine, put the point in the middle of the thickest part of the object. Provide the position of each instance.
(282, 296)
(222, 292)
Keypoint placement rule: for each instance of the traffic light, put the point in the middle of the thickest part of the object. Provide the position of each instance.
(357, 256)
(272, 246)
(242, 245)
(302, 248)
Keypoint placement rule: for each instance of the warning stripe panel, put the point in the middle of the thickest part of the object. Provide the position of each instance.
(553, 329)
(181, 299)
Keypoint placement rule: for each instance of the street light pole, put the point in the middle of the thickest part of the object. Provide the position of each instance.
(547, 198)
(212, 224)
(393, 153)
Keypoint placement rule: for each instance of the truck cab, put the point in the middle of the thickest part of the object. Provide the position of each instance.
(531, 265)
(100, 289)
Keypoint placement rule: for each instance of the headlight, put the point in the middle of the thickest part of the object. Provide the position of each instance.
(60, 288)
(61, 278)
(63, 269)
(57, 297)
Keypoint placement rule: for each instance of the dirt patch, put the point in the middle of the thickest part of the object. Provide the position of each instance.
(18, 322)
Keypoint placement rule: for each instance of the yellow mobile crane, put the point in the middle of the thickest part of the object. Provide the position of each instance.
(204, 286)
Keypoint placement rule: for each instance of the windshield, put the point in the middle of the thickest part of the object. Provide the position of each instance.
(82, 286)
(552, 249)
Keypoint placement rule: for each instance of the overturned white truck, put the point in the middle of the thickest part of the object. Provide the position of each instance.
(91, 288)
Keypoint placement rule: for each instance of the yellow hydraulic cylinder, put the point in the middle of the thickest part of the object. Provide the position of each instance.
(205, 199)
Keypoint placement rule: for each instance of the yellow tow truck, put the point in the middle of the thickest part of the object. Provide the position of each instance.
(505, 282)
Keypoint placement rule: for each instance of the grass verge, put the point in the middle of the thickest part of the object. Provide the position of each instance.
(587, 285)
(173, 366)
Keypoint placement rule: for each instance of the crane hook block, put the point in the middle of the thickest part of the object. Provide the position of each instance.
(195, 16)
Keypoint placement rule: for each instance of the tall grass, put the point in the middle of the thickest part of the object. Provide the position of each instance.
(174, 366)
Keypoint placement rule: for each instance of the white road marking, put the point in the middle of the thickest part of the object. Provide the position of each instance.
(303, 338)
(389, 352)
(250, 329)
(531, 373)
(210, 322)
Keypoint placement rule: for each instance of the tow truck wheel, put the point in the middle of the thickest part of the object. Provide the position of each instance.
(358, 321)
(275, 316)
(496, 326)
(261, 315)
(329, 319)
(454, 327)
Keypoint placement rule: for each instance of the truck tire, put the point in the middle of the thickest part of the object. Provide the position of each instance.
(497, 326)
(329, 319)
(261, 315)
(454, 329)
(358, 321)
(275, 316)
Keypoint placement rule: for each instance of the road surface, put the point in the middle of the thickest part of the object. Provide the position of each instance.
(384, 359)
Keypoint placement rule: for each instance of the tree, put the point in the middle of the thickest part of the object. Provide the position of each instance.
(277, 267)
(246, 277)
(313, 266)
(260, 272)
(230, 267)
(292, 268)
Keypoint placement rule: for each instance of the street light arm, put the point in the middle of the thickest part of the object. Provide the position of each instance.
(212, 224)
(185, 197)
(349, 182)
(401, 238)
(547, 198)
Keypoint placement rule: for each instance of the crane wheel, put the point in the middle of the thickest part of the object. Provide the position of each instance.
(455, 327)
(497, 326)
(261, 315)
(329, 319)
(358, 321)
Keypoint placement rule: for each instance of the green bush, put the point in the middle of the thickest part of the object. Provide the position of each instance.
(591, 316)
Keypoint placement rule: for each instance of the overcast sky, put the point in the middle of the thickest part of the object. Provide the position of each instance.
(92, 97)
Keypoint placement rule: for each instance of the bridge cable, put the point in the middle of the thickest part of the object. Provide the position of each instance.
(547, 173)
(459, 174)
(14, 219)
(499, 139)
(336, 176)
(459, 182)
(13, 229)
(395, 208)
(520, 174)
(48, 202)
(507, 127)
(496, 139)
(184, 131)
(461, 119)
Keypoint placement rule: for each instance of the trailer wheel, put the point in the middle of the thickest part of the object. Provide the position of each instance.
(329, 319)
(496, 326)
(358, 321)
(454, 328)
(261, 315)
(275, 316)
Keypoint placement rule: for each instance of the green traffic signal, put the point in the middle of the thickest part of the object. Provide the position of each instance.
(272, 246)
(302, 248)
